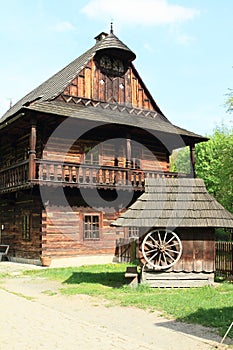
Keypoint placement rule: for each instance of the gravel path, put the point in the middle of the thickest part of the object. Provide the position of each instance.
(35, 316)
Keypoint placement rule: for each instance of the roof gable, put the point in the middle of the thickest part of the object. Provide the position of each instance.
(81, 78)
(128, 89)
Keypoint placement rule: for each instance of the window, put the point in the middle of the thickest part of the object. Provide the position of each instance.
(26, 227)
(91, 155)
(91, 227)
(133, 231)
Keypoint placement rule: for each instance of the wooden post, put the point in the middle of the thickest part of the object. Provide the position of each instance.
(32, 151)
(128, 152)
(192, 160)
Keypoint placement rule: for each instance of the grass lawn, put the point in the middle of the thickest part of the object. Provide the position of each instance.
(208, 306)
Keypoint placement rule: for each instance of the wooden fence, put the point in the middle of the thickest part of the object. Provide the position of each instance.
(224, 258)
(126, 249)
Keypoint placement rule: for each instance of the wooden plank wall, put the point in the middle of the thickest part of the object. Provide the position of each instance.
(107, 154)
(62, 233)
(198, 250)
(14, 151)
(91, 83)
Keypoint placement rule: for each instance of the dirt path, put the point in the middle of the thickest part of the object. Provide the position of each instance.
(35, 316)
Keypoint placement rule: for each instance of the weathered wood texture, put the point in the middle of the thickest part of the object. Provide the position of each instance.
(176, 279)
(107, 153)
(14, 151)
(198, 251)
(224, 258)
(63, 234)
(91, 83)
(127, 249)
(12, 213)
(58, 232)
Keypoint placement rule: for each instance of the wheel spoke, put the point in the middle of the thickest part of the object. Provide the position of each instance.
(153, 256)
(173, 251)
(164, 258)
(165, 236)
(160, 240)
(156, 242)
(148, 252)
(151, 245)
(171, 257)
(159, 260)
(174, 243)
(170, 240)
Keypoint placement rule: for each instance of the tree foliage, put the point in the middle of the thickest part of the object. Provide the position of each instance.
(229, 101)
(214, 164)
(180, 160)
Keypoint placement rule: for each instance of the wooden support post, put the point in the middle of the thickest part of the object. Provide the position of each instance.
(128, 152)
(32, 151)
(192, 160)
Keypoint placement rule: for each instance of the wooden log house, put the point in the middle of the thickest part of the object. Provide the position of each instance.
(88, 136)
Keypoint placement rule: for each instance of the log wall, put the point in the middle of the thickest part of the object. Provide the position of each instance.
(12, 213)
(57, 231)
(63, 233)
(107, 154)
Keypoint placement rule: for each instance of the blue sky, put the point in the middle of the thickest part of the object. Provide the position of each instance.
(184, 49)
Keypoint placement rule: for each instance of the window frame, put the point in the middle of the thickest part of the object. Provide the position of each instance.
(133, 232)
(89, 233)
(93, 153)
(26, 226)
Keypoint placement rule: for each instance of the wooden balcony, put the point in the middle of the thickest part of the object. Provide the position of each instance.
(76, 175)
(14, 177)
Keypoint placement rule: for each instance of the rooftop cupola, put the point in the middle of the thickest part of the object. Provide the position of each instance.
(111, 45)
(112, 56)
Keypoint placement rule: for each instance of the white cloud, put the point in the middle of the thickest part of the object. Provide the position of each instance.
(63, 27)
(148, 47)
(180, 37)
(141, 12)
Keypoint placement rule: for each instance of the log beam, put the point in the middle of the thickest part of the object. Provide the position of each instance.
(32, 151)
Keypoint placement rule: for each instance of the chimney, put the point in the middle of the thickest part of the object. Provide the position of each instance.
(101, 36)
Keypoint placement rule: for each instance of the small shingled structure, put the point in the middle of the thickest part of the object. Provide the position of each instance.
(175, 202)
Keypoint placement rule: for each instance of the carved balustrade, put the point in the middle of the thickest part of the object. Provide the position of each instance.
(77, 175)
(14, 176)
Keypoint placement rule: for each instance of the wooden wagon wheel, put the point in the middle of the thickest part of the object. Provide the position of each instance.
(161, 249)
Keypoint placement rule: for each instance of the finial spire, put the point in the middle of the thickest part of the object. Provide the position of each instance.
(111, 30)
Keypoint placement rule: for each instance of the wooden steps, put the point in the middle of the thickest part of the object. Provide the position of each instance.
(157, 279)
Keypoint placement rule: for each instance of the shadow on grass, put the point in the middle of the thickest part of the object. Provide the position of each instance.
(218, 319)
(109, 279)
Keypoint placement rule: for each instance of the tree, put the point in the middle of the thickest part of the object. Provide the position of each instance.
(214, 164)
(229, 101)
(180, 161)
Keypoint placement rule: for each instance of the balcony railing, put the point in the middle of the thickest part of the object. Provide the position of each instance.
(14, 176)
(77, 175)
(89, 174)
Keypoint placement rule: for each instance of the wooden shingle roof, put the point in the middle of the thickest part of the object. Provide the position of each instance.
(55, 85)
(175, 202)
(45, 97)
(153, 121)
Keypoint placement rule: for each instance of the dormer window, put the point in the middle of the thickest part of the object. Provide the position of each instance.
(111, 66)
